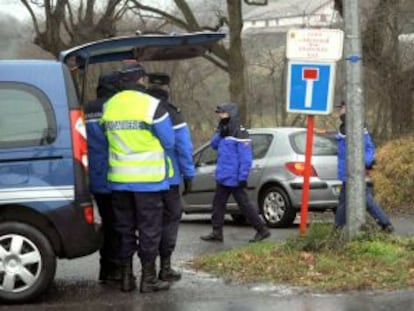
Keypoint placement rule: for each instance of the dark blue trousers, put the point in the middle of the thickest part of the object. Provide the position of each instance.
(240, 195)
(142, 212)
(373, 208)
(109, 249)
(171, 220)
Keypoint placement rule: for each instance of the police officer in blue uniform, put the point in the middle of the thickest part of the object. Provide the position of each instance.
(234, 161)
(373, 208)
(139, 131)
(108, 85)
(182, 160)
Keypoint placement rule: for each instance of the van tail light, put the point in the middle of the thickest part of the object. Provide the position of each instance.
(88, 214)
(80, 148)
(298, 168)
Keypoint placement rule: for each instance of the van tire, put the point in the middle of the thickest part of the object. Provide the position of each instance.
(30, 267)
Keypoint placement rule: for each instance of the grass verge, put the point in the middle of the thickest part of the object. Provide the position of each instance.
(321, 260)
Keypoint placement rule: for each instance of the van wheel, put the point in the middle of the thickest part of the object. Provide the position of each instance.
(27, 262)
(276, 208)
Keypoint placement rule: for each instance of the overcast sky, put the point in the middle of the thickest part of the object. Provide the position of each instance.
(14, 8)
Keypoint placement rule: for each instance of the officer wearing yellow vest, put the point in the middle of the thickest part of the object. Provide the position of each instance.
(139, 131)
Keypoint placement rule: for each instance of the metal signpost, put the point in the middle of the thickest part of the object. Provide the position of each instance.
(312, 54)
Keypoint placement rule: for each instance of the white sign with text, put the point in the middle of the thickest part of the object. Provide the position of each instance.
(313, 44)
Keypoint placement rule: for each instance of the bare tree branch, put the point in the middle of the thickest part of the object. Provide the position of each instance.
(89, 13)
(190, 25)
(80, 11)
(173, 19)
(70, 12)
(217, 63)
(121, 12)
(33, 16)
(68, 29)
(188, 15)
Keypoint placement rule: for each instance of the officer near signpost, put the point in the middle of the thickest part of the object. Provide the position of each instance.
(139, 131)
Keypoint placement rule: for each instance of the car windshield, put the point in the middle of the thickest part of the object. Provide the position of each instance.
(323, 145)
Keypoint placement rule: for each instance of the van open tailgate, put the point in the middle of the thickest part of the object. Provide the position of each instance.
(148, 47)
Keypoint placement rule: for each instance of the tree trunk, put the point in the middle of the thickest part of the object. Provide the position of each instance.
(236, 62)
(382, 55)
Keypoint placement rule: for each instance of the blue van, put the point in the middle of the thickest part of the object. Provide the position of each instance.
(46, 211)
(45, 207)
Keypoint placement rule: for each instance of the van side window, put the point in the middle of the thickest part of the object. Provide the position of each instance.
(26, 117)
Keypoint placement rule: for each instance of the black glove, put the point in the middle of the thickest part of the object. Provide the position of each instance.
(187, 186)
(243, 184)
(371, 166)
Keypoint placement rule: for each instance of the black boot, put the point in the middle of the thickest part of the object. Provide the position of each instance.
(261, 234)
(149, 280)
(128, 280)
(167, 273)
(110, 272)
(103, 268)
(388, 228)
(215, 236)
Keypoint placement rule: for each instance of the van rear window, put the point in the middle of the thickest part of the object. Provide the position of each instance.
(26, 116)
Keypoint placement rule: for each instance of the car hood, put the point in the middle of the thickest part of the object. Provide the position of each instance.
(149, 47)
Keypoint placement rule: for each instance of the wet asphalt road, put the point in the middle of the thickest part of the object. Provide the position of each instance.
(76, 288)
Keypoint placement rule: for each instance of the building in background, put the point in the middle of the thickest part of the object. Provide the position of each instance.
(281, 15)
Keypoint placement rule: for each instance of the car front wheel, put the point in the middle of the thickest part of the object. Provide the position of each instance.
(27, 262)
(276, 208)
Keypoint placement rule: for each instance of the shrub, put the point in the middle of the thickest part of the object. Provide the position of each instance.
(318, 238)
(393, 175)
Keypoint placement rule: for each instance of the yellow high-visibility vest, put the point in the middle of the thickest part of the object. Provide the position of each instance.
(135, 154)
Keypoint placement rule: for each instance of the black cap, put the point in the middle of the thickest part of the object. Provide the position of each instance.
(219, 109)
(108, 84)
(133, 71)
(226, 107)
(158, 78)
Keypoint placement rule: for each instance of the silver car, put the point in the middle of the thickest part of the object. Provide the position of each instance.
(276, 179)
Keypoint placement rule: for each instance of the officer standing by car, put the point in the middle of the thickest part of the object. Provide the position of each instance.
(234, 161)
(139, 130)
(108, 85)
(182, 160)
(369, 153)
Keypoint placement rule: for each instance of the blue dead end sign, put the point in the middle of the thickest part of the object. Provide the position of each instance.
(310, 87)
